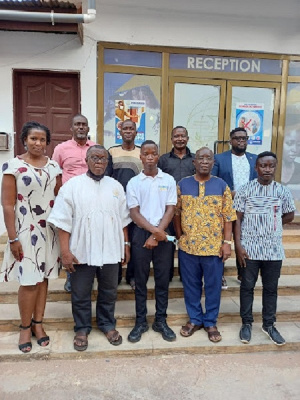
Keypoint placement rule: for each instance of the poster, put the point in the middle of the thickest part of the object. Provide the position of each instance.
(250, 116)
(135, 111)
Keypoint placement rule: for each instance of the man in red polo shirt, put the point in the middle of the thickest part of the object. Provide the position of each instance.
(71, 155)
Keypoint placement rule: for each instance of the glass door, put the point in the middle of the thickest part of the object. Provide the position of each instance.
(198, 105)
(254, 106)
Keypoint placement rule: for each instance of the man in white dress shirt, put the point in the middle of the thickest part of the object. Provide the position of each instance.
(91, 215)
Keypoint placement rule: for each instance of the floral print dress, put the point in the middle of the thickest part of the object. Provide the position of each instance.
(35, 199)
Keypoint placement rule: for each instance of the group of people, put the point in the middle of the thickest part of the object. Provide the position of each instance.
(126, 205)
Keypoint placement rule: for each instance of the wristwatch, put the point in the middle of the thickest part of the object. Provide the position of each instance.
(127, 244)
(227, 241)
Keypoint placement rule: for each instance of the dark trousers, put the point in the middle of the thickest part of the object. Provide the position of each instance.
(270, 273)
(82, 283)
(193, 270)
(161, 257)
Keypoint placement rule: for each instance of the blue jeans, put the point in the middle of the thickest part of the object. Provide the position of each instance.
(193, 270)
(270, 273)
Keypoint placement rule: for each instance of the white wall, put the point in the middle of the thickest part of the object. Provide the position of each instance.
(256, 25)
(25, 50)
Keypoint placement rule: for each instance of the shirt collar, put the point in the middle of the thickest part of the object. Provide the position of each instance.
(188, 153)
(158, 175)
(87, 143)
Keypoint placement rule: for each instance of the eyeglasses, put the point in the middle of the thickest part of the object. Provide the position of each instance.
(240, 138)
(202, 159)
(101, 160)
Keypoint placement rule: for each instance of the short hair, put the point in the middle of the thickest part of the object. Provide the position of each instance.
(128, 120)
(237, 130)
(206, 148)
(266, 154)
(179, 127)
(96, 146)
(148, 142)
(28, 126)
(79, 115)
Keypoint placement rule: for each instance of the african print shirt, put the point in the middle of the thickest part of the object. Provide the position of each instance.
(204, 208)
(263, 207)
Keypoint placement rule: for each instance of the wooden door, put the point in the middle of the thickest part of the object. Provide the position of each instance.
(51, 98)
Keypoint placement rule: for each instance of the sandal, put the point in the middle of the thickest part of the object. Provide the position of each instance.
(80, 341)
(24, 346)
(43, 339)
(113, 337)
(213, 334)
(189, 329)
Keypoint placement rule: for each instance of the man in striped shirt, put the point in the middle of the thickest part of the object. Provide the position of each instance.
(262, 206)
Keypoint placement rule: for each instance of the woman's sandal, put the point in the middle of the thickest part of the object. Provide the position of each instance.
(24, 346)
(189, 329)
(113, 337)
(42, 339)
(80, 341)
(213, 334)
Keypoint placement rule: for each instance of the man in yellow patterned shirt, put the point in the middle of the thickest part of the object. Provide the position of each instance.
(203, 225)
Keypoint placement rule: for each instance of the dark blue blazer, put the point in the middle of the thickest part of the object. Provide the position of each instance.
(223, 167)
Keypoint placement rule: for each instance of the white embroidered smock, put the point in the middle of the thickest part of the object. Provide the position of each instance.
(94, 213)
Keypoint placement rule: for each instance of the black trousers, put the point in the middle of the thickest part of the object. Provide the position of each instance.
(270, 273)
(161, 257)
(82, 283)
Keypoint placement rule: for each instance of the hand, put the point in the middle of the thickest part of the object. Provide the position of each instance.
(17, 250)
(68, 259)
(160, 235)
(241, 255)
(127, 256)
(225, 251)
(150, 243)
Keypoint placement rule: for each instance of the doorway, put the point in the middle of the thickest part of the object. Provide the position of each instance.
(50, 98)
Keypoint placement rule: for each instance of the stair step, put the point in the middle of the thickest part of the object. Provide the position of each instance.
(61, 345)
(58, 315)
(288, 285)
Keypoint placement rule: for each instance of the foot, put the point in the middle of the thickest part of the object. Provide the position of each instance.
(38, 331)
(113, 337)
(245, 333)
(25, 344)
(165, 330)
(213, 334)
(80, 341)
(274, 335)
(136, 333)
(224, 283)
(67, 286)
(189, 329)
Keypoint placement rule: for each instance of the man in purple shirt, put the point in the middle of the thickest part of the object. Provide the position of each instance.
(71, 155)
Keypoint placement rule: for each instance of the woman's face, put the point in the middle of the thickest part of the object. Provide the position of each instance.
(291, 146)
(36, 142)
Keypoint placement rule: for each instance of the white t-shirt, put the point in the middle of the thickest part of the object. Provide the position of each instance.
(152, 195)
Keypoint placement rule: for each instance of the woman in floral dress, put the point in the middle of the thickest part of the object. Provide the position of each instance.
(29, 186)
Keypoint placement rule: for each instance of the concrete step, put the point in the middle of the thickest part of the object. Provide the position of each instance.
(58, 315)
(61, 345)
(289, 285)
(290, 266)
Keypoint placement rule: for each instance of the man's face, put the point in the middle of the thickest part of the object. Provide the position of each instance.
(97, 161)
(149, 156)
(204, 162)
(179, 139)
(265, 168)
(80, 128)
(128, 131)
(238, 142)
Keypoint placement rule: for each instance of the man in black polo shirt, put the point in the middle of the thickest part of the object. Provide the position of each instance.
(178, 163)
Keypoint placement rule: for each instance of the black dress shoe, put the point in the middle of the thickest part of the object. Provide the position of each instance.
(162, 327)
(136, 333)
